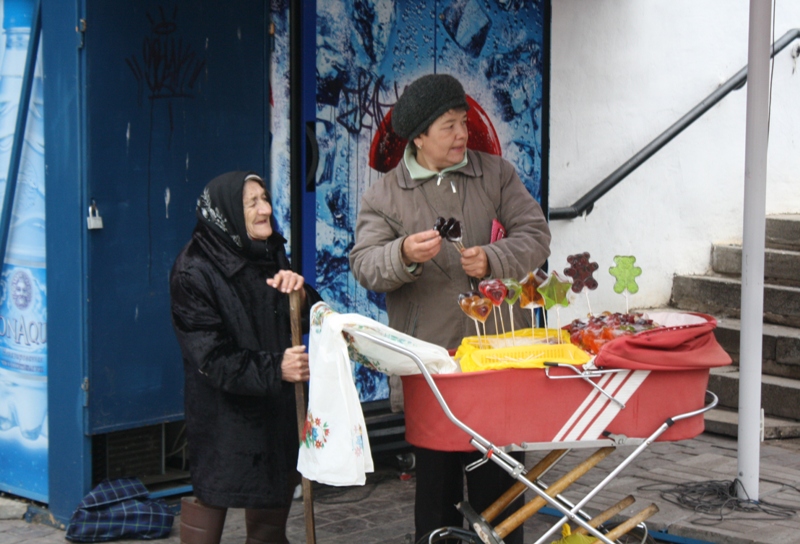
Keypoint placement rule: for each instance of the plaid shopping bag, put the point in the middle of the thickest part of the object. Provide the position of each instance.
(119, 509)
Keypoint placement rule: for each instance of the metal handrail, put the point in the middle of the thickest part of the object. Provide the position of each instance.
(585, 204)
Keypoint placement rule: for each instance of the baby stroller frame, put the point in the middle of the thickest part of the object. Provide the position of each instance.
(482, 531)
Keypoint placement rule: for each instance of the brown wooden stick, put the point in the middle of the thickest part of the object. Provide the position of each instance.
(295, 309)
(518, 488)
(606, 515)
(629, 524)
(531, 507)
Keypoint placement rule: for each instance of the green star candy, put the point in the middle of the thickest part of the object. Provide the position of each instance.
(554, 291)
(626, 274)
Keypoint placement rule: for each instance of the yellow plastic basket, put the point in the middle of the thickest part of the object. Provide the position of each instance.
(526, 348)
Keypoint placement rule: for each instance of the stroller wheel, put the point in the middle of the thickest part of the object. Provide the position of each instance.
(450, 535)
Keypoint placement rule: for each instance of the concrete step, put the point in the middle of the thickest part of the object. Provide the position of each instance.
(722, 296)
(780, 347)
(781, 266)
(783, 231)
(780, 397)
(725, 421)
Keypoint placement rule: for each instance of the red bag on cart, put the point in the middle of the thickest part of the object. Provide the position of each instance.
(685, 341)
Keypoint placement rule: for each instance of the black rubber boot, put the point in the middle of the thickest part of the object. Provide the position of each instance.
(201, 524)
(266, 526)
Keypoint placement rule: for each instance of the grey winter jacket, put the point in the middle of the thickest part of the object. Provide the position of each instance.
(424, 303)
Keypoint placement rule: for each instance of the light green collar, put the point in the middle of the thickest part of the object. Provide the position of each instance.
(417, 171)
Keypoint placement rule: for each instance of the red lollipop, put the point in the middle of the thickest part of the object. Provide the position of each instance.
(495, 290)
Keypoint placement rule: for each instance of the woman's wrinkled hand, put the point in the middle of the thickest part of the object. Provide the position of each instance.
(294, 366)
(287, 281)
(421, 247)
(475, 262)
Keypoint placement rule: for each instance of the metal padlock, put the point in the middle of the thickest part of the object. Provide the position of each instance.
(94, 221)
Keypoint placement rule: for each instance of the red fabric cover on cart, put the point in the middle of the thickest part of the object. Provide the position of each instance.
(683, 347)
(517, 405)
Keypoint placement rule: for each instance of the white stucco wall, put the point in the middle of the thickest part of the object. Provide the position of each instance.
(622, 72)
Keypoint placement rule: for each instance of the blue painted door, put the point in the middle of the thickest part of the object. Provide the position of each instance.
(176, 92)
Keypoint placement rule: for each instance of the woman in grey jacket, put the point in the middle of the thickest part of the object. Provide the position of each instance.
(398, 252)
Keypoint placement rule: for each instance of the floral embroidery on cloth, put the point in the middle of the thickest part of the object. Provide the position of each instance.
(315, 432)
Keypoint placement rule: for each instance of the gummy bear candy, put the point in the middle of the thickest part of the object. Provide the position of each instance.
(626, 274)
(554, 291)
(580, 270)
(495, 290)
(514, 290)
(529, 297)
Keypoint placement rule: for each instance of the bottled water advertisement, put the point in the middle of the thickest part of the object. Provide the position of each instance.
(23, 282)
(368, 51)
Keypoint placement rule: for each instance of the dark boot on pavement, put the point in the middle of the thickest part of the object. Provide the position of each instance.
(266, 526)
(201, 524)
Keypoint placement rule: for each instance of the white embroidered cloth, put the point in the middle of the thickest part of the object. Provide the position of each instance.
(334, 448)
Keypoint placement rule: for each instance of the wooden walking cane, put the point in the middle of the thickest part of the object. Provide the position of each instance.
(295, 305)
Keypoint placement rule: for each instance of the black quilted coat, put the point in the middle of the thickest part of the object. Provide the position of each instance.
(240, 416)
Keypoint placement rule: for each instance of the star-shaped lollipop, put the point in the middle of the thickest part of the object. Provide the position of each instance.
(554, 291)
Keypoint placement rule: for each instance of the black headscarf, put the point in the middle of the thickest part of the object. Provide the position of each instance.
(221, 209)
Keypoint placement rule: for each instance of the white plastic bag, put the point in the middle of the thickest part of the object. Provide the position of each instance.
(335, 449)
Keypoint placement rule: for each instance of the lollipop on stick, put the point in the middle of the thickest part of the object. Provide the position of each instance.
(554, 291)
(626, 273)
(580, 270)
(529, 297)
(477, 308)
(465, 301)
(439, 225)
(496, 291)
(452, 233)
(514, 290)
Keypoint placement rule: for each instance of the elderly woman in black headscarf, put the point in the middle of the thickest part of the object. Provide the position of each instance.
(230, 310)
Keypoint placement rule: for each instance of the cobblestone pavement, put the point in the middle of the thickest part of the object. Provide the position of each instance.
(382, 510)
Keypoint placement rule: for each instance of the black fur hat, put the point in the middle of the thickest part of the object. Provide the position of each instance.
(424, 101)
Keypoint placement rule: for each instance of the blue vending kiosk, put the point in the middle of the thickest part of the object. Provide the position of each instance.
(23, 282)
